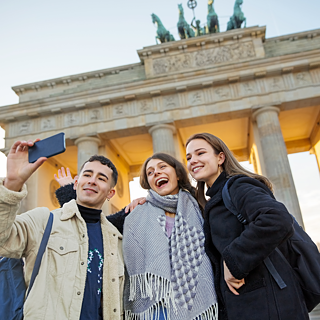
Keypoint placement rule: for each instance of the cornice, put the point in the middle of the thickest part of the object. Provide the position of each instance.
(310, 34)
(66, 80)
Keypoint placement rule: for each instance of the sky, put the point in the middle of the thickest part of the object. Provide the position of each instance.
(41, 40)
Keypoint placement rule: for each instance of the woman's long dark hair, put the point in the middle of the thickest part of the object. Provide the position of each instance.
(183, 182)
(230, 165)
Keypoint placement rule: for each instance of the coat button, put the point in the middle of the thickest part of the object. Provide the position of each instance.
(113, 280)
(78, 293)
(114, 310)
(83, 235)
(112, 253)
(82, 263)
(114, 235)
(61, 248)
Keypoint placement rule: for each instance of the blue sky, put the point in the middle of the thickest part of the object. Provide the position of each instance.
(41, 40)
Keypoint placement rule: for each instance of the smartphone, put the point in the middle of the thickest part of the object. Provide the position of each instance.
(48, 147)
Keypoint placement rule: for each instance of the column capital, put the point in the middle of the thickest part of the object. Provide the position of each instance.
(90, 139)
(257, 111)
(163, 126)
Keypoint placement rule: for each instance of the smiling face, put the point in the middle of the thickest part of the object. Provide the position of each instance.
(162, 178)
(94, 185)
(203, 163)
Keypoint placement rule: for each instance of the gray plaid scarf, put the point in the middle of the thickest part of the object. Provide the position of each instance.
(174, 273)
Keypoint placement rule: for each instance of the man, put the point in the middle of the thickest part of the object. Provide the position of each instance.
(81, 273)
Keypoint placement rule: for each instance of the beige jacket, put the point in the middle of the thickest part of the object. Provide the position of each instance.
(58, 289)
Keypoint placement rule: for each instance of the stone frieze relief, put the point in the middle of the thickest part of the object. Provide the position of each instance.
(204, 58)
(25, 127)
(302, 79)
(71, 119)
(48, 123)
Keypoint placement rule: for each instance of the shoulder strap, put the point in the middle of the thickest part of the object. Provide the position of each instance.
(231, 207)
(42, 248)
(229, 204)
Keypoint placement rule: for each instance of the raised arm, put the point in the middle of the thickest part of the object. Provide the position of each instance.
(19, 169)
(66, 192)
(18, 233)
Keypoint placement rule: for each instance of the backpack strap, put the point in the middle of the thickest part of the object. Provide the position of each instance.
(231, 207)
(42, 248)
(229, 204)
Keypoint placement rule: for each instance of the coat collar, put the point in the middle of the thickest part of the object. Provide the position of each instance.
(215, 192)
(70, 209)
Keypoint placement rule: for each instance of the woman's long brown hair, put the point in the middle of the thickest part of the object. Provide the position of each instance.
(230, 165)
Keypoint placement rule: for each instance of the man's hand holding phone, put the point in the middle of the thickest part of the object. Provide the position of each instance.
(25, 157)
(19, 169)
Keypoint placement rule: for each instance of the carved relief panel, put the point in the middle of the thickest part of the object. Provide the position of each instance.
(196, 97)
(144, 106)
(48, 123)
(71, 119)
(25, 127)
(96, 115)
(275, 84)
(120, 110)
(222, 93)
(210, 57)
(248, 88)
(170, 102)
(302, 79)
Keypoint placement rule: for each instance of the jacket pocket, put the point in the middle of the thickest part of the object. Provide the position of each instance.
(251, 303)
(62, 254)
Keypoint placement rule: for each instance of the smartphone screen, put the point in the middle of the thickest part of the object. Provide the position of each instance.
(48, 147)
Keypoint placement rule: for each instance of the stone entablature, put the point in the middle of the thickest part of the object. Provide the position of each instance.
(223, 85)
(208, 103)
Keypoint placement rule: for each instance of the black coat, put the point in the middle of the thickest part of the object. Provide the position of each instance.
(244, 250)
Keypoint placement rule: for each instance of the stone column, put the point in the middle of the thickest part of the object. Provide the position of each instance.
(87, 147)
(276, 163)
(162, 138)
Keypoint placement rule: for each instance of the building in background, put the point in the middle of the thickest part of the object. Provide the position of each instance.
(261, 96)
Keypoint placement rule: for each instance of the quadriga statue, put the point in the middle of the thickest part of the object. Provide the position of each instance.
(238, 17)
(163, 35)
(184, 28)
(212, 19)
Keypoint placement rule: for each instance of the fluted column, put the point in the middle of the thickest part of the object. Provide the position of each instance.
(87, 147)
(162, 138)
(276, 163)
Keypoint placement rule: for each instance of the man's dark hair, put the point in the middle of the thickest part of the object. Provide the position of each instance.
(105, 161)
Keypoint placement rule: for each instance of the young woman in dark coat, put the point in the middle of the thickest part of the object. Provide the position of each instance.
(245, 288)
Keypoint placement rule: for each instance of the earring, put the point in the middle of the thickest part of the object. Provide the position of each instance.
(108, 199)
(220, 168)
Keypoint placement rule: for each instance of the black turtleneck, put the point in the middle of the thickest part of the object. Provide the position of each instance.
(217, 184)
(89, 215)
(91, 306)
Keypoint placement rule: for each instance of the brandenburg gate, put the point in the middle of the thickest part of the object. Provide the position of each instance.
(261, 96)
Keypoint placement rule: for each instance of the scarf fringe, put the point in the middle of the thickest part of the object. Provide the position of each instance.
(154, 287)
(210, 314)
(153, 313)
(151, 286)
